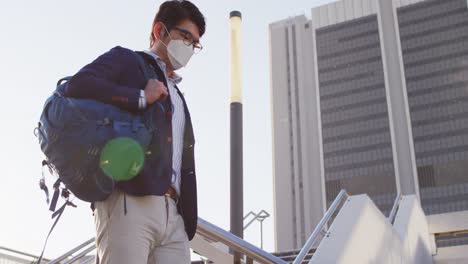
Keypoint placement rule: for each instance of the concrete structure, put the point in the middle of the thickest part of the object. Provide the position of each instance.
(370, 96)
(295, 133)
(362, 234)
(412, 227)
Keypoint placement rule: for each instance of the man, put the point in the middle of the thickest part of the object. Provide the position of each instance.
(150, 218)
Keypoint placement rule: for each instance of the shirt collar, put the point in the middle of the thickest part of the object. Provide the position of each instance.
(176, 79)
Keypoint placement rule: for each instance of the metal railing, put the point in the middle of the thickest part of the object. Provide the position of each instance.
(260, 217)
(73, 251)
(81, 254)
(204, 229)
(215, 233)
(393, 212)
(313, 237)
(22, 256)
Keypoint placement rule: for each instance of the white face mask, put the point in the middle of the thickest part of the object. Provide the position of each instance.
(179, 53)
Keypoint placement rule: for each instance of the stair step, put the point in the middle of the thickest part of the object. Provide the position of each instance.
(290, 256)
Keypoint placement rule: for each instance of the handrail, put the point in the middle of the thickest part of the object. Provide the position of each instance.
(82, 254)
(306, 248)
(74, 250)
(204, 229)
(396, 204)
(22, 253)
(211, 231)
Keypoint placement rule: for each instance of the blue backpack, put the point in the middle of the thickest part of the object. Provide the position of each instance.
(72, 133)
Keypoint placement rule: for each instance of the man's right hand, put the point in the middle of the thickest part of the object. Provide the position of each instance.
(154, 91)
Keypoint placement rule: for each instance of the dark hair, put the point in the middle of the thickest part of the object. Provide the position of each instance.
(173, 12)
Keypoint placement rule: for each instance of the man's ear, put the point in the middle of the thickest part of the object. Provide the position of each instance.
(157, 31)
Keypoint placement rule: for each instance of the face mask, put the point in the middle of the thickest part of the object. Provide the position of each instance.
(179, 54)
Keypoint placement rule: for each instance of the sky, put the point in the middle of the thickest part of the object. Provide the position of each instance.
(43, 41)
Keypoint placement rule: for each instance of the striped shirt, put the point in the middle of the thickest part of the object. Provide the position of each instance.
(178, 123)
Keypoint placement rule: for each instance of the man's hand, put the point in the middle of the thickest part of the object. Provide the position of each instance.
(154, 91)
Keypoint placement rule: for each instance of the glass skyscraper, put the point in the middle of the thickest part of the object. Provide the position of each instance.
(434, 46)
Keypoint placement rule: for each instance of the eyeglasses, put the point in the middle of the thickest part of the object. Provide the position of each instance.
(188, 40)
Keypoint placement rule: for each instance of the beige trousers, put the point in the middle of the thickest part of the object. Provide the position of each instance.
(152, 231)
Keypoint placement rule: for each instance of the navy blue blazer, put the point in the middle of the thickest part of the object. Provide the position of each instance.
(116, 78)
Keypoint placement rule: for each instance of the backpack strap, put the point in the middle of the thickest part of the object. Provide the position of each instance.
(149, 67)
(59, 92)
(64, 79)
(42, 183)
(55, 197)
(65, 193)
(57, 214)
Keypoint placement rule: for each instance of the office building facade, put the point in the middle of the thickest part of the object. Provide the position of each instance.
(369, 96)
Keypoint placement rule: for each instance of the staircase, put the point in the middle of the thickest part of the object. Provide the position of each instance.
(290, 256)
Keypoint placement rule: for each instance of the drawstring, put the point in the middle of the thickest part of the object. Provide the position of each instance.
(93, 207)
(125, 204)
